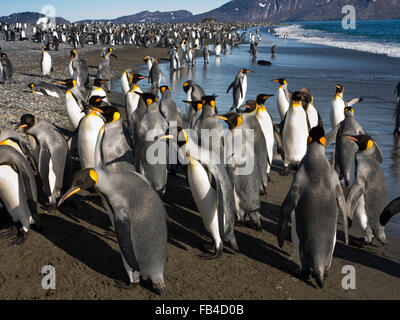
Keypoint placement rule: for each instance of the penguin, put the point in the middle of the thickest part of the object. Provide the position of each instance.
(18, 194)
(338, 104)
(46, 89)
(78, 70)
(104, 70)
(139, 219)
(211, 189)
(314, 119)
(11, 138)
(149, 62)
(88, 131)
(367, 196)
(312, 205)
(242, 168)
(346, 149)
(125, 83)
(132, 99)
(206, 54)
(283, 98)
(151, 126)
(46, 62)
(217, 49)
(273, 51)
(156, 75)
(390, 210)
(239, 87)
(98, 90)
(194, 93)
(74, 102)
(269, 129)
(8, 70)
(169, 109)
(294, 133)
(113, 150)
(52, 154)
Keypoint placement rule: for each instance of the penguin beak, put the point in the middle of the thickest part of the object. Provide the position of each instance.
(351, 138)
(222, 118)
(68, 194)
(22, 126)
(167, 137)
(275, 80)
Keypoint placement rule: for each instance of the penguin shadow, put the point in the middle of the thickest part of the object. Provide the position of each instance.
(33, 75)
(85, 211)
(84, 245)
(183, 225)
(270, 213)
(259, 250)
(365, 257)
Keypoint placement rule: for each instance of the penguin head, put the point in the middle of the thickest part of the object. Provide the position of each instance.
(261, 98)
(96, 101)
(339, 88)
(347, 109)
(27, 121)
(208, 100)
(44, 49)
(281, 81)
(148, 98)
(317, 134)
(250, 106)
(196, 105)
(136, 77)
(233, 119)
(3, 55)
(308, 98)
(73, 54)
(176, 132)
(165, 88)
(245, 71)
(98, 82)
(297, 99)
(187, 85)
(31, 86)
(82, 180)
(69, 83)
(111, 114)
(364, 141)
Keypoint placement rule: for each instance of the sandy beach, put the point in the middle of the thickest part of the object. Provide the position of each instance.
(84, 251)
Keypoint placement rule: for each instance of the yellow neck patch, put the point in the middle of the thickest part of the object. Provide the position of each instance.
(296, 104)
(94, 176)
(116, 117)
(370, 144)
(262, 108)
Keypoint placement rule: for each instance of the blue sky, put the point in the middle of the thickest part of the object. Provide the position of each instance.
(74, 10)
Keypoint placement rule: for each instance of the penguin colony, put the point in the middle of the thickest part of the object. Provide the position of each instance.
(112, 146)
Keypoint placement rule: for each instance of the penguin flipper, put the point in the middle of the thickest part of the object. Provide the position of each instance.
(390, 210)
(287, 208)
(353, 101)
(342, 208)
(279, 143)
(378, 153)
(44, 159)
(230, 87)
(354, 195)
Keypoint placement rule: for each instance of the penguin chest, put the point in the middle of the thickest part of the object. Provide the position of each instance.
(294, 135)
(88, 133)
(268, 130)
(71, 69)
(312, 116)
(74, 112)
(337, 111)
(244, 87)
(46, 63)
(132, 103)
(283, 103)
(203, 194)
(10, 192)
(125, 84)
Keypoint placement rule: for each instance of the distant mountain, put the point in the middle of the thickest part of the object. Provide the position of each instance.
(28, 17)
(153, 17)
(300, 10)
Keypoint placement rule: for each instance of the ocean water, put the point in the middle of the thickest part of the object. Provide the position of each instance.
(375, 36)
(318, 68)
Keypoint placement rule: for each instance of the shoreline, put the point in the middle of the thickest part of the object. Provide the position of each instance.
(86, 256)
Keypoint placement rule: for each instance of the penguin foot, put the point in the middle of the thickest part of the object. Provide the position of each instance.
(159, 288)
(216, 255)
(285, 172)
(125, 285)
(8, 232)
(254, 226)
(20, 239)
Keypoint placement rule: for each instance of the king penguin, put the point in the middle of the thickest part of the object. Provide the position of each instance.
(139, 219)
(367, 196)
(313, 204)
(52, 154)
(239, 87)
(283, 98)
(46, 62)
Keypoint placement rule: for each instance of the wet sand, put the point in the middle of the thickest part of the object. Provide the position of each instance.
(83, 249)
